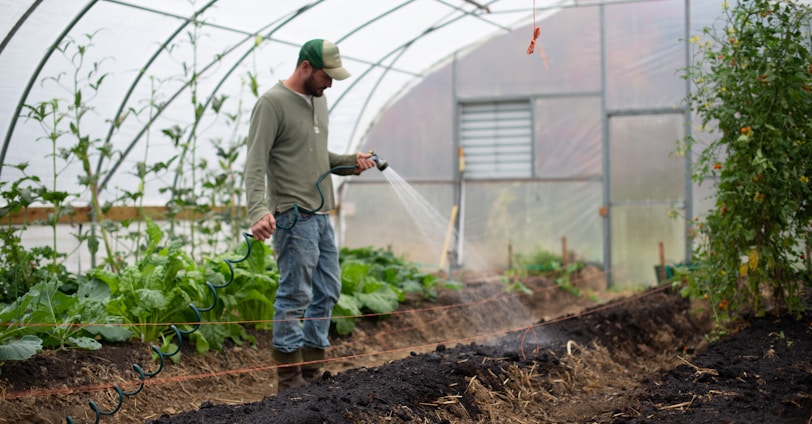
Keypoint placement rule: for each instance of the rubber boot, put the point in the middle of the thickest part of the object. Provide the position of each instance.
(288, 376)
(313, 359)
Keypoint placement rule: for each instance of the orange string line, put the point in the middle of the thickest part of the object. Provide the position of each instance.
(262, 321)
(93, 388)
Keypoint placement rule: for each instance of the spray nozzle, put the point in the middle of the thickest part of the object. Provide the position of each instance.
(380, 163)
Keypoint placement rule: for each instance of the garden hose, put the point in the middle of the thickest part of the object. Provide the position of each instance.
(381, 164)
(299, 209)
(178, 332)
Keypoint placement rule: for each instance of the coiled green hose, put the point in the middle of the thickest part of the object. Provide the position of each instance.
(213, 288)
(178, 332)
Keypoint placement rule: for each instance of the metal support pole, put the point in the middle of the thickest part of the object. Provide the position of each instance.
(607, 195)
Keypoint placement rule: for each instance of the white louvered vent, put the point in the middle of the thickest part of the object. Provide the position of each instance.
(497, 138)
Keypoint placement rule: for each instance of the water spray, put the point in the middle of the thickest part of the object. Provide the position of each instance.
(381, 164)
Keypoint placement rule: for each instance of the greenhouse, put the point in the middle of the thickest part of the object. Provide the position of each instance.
(456, 211)
(513, 152)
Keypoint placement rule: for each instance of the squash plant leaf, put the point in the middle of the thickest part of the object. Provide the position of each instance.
(384, 300)
(20, 349)
(344, 313)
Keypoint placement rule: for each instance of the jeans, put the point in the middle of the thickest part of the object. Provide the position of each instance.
(309, 281)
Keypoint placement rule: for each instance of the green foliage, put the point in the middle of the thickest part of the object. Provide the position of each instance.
(251, 294)
(17, 266)
(753, 76)
(385, 266)
(375, 281)
(248, 297)
(362, 293)
(546, 264)
(59, 320)
(84, 83)
(22, 268)
(154, 291)
(213, 336)
(543, 262)
(538, 262)
(17, 341)
(19, 349)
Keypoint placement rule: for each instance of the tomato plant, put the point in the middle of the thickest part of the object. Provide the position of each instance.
(752, 74)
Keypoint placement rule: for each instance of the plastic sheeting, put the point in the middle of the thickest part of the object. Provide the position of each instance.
(608, 112)
(165, 62)
(606, 107)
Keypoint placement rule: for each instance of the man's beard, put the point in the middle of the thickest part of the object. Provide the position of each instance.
(312, 86)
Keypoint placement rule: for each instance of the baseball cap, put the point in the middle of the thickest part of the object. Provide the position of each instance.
(324, 54)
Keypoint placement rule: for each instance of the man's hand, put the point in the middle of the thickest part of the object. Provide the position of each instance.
(264, 228)
(362, 162)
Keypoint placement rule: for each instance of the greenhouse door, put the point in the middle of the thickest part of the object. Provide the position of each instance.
(647, 188)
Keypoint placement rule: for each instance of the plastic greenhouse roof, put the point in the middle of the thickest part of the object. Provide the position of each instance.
(148, 68)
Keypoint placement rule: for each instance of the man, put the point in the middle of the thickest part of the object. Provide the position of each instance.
(287, 158)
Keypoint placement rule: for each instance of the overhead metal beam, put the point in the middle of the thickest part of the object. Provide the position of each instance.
(35, 76)
(19, 24)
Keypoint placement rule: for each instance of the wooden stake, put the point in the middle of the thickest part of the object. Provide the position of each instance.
(449, 233)
(662, 262)
(564, 255)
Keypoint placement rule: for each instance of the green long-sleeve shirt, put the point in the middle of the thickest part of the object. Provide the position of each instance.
(287, 154)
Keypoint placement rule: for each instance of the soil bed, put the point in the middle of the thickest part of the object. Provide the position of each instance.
(474, 356)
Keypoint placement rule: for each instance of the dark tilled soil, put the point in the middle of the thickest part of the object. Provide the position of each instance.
(640, 358)
(761, 374)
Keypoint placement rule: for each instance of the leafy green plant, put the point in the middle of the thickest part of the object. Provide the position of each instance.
(247, 298)
(17, 266)
(58, 320)
(565, 279)
(143, 170)
(154, 291)
(753, 75)
(48, 116)
(18, 348)
(514, 285)
(22, 267)
(782, 338)
(17, 341)
(85, 80)
(546, 263)
(385, 266)
(538, 262)
(251, 294)
(362, 293)
(221, 188)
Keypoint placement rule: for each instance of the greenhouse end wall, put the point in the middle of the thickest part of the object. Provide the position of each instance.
(598, 147)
